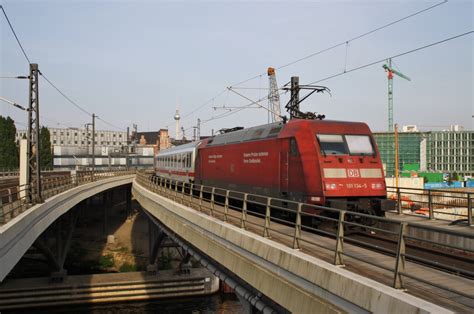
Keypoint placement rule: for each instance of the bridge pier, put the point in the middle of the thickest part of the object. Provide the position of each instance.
(185, 264)
(106, 203)
(128, 201)
(252, 301)
(155, 239)
(56, 256)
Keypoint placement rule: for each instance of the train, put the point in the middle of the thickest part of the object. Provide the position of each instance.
(321, 162)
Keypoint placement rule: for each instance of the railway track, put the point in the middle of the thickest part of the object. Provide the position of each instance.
(9, 186)
(456, 261)
(447, 260)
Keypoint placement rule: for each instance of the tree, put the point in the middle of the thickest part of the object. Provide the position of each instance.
(46, 157)
(8, 148)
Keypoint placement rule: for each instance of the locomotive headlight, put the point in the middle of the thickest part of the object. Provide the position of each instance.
(331, 186)
(377, 186)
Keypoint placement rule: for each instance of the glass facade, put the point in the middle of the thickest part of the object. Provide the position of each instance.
(437, 151)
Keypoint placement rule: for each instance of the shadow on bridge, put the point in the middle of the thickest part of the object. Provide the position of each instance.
(104, 241)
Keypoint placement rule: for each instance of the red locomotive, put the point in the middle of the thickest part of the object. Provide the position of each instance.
(332, 163)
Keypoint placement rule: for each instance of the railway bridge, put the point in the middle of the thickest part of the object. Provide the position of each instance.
(277, 264)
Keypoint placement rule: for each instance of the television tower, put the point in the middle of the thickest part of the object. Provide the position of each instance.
(176, 118)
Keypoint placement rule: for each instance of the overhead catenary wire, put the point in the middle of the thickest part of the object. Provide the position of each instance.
(14, 104)
(14, 77)
(355, 69)
(76, 105)
(228, 113)
(393, 57)
(65, 96)
(14, 34)
(204, 104)
(110, 124)
(44, 76)
(311, 55)
(346, 42)
(254, 102)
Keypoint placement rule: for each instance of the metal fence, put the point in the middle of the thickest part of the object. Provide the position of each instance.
(7, 173)
(434, 204)
(242, 209)
(15, 200)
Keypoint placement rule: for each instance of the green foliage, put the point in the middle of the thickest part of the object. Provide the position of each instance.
(46, 156)
(8, 148)
(126, 267)
(106, 261)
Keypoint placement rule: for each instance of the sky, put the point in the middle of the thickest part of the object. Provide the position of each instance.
(133, 62)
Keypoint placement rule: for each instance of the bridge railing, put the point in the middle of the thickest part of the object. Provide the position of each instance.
(15, 200)
(7, 173)
(13, 173)
(433, 204)
(292, 223)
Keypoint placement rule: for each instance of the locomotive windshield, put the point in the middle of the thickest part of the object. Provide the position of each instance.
(359, 144)
(332, 144)
(336, 144)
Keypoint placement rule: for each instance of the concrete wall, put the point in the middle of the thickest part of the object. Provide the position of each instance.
(297, 281)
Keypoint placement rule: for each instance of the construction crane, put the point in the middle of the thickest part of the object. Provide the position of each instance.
(390, 72)
(273, 96)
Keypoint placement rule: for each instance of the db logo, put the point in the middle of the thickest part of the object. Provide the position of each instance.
(353, 173)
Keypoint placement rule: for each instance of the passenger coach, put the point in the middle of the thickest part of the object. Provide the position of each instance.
(177, 163)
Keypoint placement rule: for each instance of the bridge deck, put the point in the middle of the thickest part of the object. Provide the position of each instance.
(460, 299)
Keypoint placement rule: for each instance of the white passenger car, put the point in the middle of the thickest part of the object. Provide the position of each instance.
(177, 163)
